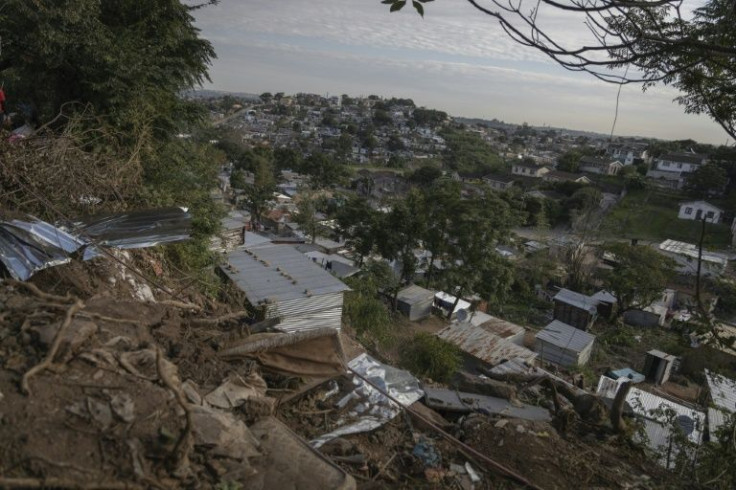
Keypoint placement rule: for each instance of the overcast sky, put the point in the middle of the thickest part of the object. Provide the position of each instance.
(455, 59)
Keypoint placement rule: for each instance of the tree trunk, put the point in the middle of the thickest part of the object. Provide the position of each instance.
(617, 409)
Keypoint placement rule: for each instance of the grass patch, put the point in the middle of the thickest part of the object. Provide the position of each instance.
(652, 215)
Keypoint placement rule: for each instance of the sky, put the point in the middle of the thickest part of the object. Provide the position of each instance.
(455, 59)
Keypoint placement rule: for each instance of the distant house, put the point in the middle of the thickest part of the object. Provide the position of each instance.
(629, 154)
(698, 210)
(560, 176)
(667, 180)
(562, 344)
(576, 309)
(499, 182)
(444, 302)
(334, 263)
(600, 165)
(280, 282)
(528, 170)
(658, 366)
(680, 162)
(484, 345)
(415, 302)
(686, 257)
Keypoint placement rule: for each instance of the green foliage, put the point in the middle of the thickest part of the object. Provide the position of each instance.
(708, 180)
(468, 153)
(364, 311)
(323, 170)
(124, 58)
(429, 356)
(428, 117)
(425, 175)
(639, 277)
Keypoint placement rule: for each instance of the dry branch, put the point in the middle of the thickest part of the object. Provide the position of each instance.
(49, 359)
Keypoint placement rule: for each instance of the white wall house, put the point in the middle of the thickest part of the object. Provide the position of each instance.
(528, 170)
(681, 162)
(698, 210)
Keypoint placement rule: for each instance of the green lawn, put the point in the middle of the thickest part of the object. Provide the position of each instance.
(652, 215)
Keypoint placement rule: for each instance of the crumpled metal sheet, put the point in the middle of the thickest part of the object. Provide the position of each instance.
(374, 408)
(28, 246)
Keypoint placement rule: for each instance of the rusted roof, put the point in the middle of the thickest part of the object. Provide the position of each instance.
(484, 344)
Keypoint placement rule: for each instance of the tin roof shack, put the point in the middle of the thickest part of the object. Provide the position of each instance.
(484, 345)
(502, 328)
(575, 309)
(686, 256)
(232, 231)
(654, 315)
(723, 399)
(562, 344)
(280, 282)
(415, 302)
(661, 418)
(658, 366)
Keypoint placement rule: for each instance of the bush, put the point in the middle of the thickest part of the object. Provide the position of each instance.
(429, 356)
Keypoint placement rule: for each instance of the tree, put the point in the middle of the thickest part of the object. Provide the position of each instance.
(262, 189)
(569, 161)
(128, 60)
(323, 170)
(442, 202)
(306, 216)
(475, 228)
(639, 276)
(707, 181)
(358, 223)
(647, 42)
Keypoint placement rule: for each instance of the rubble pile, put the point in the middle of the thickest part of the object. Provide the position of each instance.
(99, 388)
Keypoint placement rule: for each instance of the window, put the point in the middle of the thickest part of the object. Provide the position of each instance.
(688, 210)
(709, 214)
(679, 165)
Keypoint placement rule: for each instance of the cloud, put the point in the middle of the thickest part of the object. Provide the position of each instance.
(455, 59)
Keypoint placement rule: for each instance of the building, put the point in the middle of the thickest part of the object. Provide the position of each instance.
(698, 210)
(600, 165)
(528, 170)
(654, 315)
(629, 154)
(563, 344)
(499, 182)
(686, 257)
(335, 263)
(444, 302)
(280, 282)
(680, 162)
(484, 345)
(576, 309)
(658, 366)
(560, 176)
(504, 329)
(415, 302)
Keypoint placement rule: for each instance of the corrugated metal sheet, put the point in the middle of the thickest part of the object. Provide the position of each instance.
(502, 328)
(577, 300)
(564, 336)
(278, 273)
(723, 394)
(649, 406)
(484, 345)
(691, 250)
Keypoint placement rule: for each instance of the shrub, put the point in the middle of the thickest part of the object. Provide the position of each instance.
(430, 356)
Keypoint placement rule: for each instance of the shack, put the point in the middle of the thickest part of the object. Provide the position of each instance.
(415, 302)
(576, 309)
(563, 344)
(280, 282)
(484, 345)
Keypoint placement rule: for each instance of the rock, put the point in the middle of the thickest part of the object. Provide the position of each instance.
(123, 406)
(502, 423)
(520, 429)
